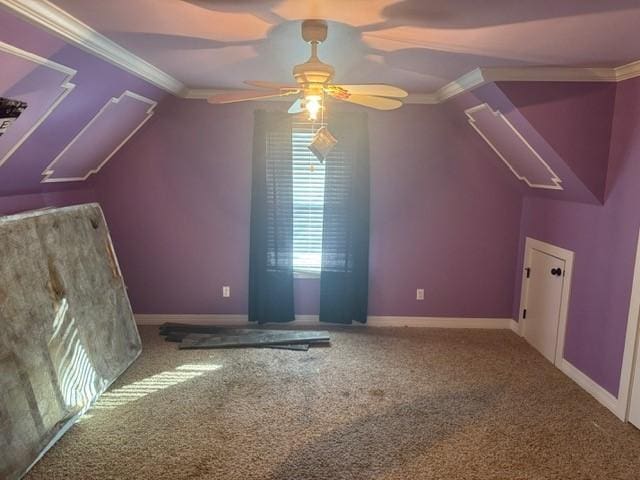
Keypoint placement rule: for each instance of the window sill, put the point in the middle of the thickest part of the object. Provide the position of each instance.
(301, 274)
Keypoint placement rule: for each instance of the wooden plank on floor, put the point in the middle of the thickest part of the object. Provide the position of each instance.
(254, 338)
(302, 347)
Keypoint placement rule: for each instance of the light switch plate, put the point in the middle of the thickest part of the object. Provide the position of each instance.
(420, 294)
(226, 291)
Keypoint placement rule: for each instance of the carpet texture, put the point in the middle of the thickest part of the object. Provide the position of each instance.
(380, 403)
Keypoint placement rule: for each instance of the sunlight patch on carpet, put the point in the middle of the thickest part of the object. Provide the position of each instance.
(137, 390)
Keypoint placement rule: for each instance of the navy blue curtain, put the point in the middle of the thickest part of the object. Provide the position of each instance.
(271, 248)
(344, 277)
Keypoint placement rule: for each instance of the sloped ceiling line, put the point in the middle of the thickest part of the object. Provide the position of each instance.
(47, 15)
(54, 19)
(66, 86)
(529, 159)
(65, 159)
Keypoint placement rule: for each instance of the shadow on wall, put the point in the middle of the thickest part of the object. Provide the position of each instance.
(382, 442)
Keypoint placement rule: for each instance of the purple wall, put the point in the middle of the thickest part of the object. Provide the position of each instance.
(177, 198)
(580, 128)
(604, 241)
(96, 82)
(576, 131)
(34, 201)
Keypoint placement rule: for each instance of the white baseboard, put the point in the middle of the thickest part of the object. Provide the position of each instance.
(372, 321)
(515, 327)
(595, 390)
(587, 384)
(438, 322)
(230, 320)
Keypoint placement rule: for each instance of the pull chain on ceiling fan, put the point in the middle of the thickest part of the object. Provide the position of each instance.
(314, 82)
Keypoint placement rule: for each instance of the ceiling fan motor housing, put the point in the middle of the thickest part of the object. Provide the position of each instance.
(313, 71)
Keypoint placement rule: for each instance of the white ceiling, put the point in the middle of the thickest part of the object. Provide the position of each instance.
(419, 45)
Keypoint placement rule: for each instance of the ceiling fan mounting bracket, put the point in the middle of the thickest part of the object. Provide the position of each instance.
(314, 72)
(314, 31)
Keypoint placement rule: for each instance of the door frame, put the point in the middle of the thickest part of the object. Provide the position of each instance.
(567, 256)
(631, 344)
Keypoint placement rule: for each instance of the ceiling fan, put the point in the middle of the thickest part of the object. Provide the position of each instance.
(314, 81)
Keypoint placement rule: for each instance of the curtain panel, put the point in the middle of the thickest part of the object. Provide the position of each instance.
(271, 243)
(344, 277)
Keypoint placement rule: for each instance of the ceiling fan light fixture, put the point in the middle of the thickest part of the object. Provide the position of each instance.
(313, 105)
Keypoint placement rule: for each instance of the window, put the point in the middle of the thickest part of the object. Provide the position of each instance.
(308, 201)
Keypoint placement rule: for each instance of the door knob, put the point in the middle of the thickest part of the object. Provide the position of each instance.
(556, 271)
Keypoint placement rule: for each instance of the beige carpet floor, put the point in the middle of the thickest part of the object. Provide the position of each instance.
(378, 404)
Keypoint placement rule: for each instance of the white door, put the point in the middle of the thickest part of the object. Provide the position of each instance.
(543, 300)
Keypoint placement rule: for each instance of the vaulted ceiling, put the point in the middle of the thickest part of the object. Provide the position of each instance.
(83, 109)
(419, 45)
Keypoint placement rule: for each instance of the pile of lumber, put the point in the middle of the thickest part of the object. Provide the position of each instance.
(208, 336)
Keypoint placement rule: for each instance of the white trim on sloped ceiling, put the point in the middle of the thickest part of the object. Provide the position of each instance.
(554, 179)
(54, 19)
(50, 170)
(66, 87)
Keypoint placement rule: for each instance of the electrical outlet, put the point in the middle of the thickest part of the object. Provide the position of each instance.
(226, 291)
(420, 294)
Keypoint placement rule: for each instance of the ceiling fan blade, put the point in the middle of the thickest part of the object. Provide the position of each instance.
(242, 95)
(379, 103)
(271, 85)
(377, 89)
(296, 107)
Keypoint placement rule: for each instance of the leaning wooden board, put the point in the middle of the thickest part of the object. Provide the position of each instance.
(67, 330)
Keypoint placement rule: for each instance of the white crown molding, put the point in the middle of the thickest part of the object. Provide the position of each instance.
(45, 14)
(549, 74)
(66, 87)
(204, 93)
(50, 171)
(464, 83)
(496, 113)
(628, 71)
(481, 76)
